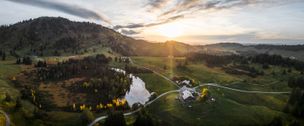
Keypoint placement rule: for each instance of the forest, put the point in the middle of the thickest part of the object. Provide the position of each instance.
(237, 64)
(92, 76)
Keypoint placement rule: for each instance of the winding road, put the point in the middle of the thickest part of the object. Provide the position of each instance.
(175, 91)
(239, 90)
(7, 119)
(201, 85)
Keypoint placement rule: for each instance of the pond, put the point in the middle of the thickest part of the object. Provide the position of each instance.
(138, 92)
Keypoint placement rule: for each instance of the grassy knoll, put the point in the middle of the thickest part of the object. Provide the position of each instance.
(199, 72)
(230, 108)
(224, 111)
(155, 83)
(7, 70)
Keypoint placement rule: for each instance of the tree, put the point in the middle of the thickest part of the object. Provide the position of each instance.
(165, 67)
(18, 103)
(18, 61)
(8, 98)
(87, 117)
(143, 119)
(115, 119)
(27, 61)
(277, 121)
(3, 56)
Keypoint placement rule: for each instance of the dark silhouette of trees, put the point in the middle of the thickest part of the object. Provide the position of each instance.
(214, 60)
(263, 59)
(277, 121)
(101, 83)
(3, 55)
(143, 119)
(25, 60)
(295, 103)
(8, 98)
(41, 64)
(277, 60)
(18, 103)
(115, 119)
(87, 117)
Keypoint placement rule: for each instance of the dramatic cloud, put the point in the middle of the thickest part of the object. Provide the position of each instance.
(157, 4)
(184, 6)
(129, 32)
(142, 25)
(66, 8)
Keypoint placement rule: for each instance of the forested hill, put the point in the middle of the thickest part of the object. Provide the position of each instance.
(55, 35)
(44, 35)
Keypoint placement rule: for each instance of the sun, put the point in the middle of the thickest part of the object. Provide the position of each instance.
(170, 30)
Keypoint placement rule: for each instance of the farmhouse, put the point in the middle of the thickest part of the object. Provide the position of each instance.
(186, 94)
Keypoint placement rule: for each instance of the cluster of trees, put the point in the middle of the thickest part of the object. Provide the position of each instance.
(89, 66)
(2, 55)
(240, 63)
(281, 47)
(40, 98)
(215, 60)
(41, 64)
(295, 103)
(104, 88)
(25, 60)
(100, 82)
(243, 70)
(117, 119)
(277, 60)
(66, 44)
(264, 59)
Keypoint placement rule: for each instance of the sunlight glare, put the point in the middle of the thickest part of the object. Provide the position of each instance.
(170, 30)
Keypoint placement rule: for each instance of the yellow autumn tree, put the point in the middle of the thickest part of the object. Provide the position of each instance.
(204, 92)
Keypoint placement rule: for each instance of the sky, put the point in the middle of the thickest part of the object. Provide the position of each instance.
(189, 21)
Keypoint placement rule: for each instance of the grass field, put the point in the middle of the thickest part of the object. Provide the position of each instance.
(224, 111)
(230, 108)
(156, 84)
(7, 70)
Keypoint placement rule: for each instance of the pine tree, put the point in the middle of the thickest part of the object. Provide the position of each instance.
(115, 119)
(3, 56)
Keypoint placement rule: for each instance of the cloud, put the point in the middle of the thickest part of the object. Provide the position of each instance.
(129, 32)
(157, 4)
(65, 8)
(142, 25)
(184, 6)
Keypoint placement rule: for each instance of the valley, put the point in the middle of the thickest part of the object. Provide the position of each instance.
(81, 77)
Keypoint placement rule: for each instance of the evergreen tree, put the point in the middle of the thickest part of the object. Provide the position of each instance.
(115, 119)
(3, 56)
(87, 117)
(8, 98)
(18, 103)
(143, 119)
(276, 122)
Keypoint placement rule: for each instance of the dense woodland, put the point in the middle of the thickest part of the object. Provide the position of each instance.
(295, 104)
(236, 64)
(281, 47)
(101, 84)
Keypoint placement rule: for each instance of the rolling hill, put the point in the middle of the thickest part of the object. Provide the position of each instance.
(55, 36)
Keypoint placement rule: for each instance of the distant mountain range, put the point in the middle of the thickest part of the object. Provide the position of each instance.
(47, 36)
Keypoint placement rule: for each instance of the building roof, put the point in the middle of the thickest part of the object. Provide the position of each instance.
(186, 94)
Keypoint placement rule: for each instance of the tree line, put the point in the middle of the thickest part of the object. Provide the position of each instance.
(263, 59)
(295, 104)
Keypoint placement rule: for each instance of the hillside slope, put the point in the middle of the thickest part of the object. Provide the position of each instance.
(55, 35)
